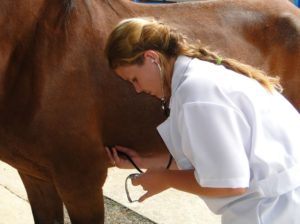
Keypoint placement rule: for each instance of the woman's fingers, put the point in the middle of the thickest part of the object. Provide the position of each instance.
(128, 151)
(116, 159)
(135, 180)
(110, 156)
(145, 196)
(116, 156)
(113, 156)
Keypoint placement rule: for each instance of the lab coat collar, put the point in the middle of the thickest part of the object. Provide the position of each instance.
(180, 67)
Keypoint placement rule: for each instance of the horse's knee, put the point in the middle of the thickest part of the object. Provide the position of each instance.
(80, 187)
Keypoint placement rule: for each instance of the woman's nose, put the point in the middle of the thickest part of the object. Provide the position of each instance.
(137, 88)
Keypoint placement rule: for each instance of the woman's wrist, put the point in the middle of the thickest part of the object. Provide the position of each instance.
(156, 161)
(146, 162)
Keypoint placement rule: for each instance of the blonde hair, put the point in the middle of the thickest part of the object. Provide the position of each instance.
(132, 37)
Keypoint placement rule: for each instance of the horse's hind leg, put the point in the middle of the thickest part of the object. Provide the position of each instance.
(46, 204)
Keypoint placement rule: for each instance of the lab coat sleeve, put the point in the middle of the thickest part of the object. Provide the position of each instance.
(214, 138)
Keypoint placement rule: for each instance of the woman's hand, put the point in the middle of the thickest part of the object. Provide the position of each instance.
(152, 181)
(120, 161)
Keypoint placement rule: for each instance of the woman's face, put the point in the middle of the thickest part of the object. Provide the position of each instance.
(145, 78)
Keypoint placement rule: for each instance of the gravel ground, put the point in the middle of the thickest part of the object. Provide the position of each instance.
(118, 214)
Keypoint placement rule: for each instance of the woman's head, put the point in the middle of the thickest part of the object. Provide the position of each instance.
(142, 50)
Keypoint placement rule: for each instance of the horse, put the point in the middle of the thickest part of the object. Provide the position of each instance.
(60, 104)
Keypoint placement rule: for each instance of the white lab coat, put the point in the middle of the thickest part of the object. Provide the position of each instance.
(235, 134)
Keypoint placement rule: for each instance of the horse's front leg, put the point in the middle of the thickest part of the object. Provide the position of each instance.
(79, 178)
(46, 205)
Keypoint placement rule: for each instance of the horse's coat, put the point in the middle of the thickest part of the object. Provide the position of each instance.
(59, 103)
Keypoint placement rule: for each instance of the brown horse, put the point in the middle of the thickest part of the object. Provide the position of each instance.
(59, 103)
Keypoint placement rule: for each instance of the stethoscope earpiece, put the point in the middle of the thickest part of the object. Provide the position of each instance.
(163, 101)
(158, 65)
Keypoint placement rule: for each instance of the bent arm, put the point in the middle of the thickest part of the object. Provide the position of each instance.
(156, 181)
(158, 162)
(185, 180)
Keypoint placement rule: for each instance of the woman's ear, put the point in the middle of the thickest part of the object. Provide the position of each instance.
(151, 55)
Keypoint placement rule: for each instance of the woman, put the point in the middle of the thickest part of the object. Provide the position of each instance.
(232, 134)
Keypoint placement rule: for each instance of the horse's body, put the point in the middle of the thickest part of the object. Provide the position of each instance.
(59, 103)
